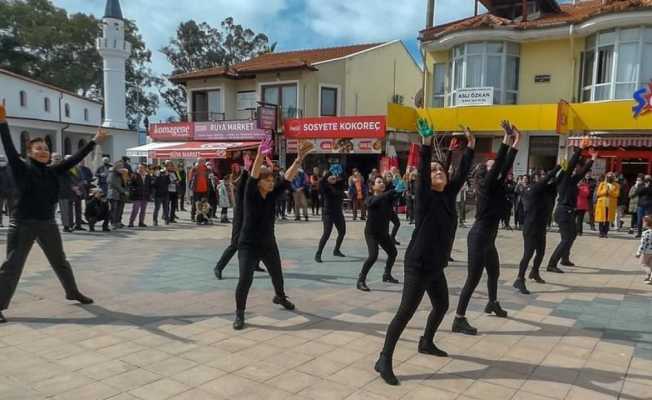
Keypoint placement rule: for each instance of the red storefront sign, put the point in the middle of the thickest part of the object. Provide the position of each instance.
(336, 127)
(267, 117)
(340, 146)
(228, 130)
(174, 132)
(194, 150)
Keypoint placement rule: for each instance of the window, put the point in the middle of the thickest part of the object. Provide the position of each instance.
(438, 85)
(24, 141)
(66, 110)
(23, 98)
(615, 63)
(328, 102)
(67, 147)
(85, 114)
(482, 64)
(81, 144)
(207, 105)
(48, 141)
(284, 96)
(46, 104)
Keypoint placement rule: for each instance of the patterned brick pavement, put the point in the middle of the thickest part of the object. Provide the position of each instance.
(161, 325)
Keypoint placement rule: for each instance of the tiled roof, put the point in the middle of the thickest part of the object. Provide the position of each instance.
(569, 14)
(277, 62)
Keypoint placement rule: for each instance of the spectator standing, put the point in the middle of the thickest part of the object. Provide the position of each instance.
(282, 199)
(117, 193)
(78, 195)
(510, 193)
(300, 186)
(315, 202)
(607, 203)
(199, 184)
(161, 196)
(224, 194)
(623, 200)
(102, 174)
(8, 191)
(633, 202)
(460, 203)
(181, 186)
(358, 194)
(139, 191)
(172, 190)
(583, 200)
(593, 185)
(65, 195)
(519, 209)
(644, 202)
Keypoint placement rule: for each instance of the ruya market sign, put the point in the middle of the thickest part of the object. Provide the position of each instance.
(483, 96)
(228, 130)
(373, 127)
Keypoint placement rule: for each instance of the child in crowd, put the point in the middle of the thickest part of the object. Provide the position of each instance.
(645, 249)
(97, 209)
(203, 212)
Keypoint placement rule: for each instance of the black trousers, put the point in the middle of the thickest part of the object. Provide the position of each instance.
(165, 202)
(568, 231)
(534, 239)
(117, 206)
(579, 221)
(173, 205)
(374, 241)
(20, 239)
(93, 221)
(416, 284)
(340, 225)
(314, 202)
(397, 224)
(77, 208)
(482, 255)
(604, 228)
(249, 257)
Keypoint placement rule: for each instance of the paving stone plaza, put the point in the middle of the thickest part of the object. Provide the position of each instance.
(161, 325)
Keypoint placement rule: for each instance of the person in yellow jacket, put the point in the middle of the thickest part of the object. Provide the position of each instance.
(607, 203)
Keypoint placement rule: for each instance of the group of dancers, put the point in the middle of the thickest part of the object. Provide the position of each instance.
(253, 237)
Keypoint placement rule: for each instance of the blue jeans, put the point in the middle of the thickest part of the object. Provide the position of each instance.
(642, 212)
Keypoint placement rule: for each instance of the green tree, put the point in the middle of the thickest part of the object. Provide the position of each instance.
(43, 42)
(200, 46)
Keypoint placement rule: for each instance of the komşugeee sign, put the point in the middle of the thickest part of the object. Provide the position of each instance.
(172, 132)
(336, 127)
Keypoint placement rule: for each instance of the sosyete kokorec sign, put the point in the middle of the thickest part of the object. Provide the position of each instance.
(336, 127)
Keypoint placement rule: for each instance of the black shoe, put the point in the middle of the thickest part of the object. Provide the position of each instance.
(283, 301)
(130, 226)
(239, 322)
(218, 273)
(91, 228)
(306, 218)
(338, 253)
(297, 219)
(451, 259)
(155, 223)
(80, 228)
(390, 279)
(428, 347)
(384, 368)
(3, 320)
(67, 230)
(519, 284)
(106, 229)
(77, 296)
(461, 325)
(362, 285)
(142, 226)
(318, 258)
(554, 269)
(258, 269)
(567, 264)
(495, 308)
(536, 277)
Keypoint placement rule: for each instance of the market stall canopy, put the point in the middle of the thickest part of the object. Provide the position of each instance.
(189, 150)
(602, 142)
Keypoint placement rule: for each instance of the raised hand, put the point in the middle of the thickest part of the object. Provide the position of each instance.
(305, 147)
(593, 153)
(470, 137)
(101, 136)
(507, 127)
(424, 128)
(516, 135)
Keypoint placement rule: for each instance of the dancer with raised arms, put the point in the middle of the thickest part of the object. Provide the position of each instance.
(482, 252)
(332, 186)
(257, 241)
(428, 251)
(37, 184)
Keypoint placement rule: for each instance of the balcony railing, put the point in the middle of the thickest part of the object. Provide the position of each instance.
(205, 116)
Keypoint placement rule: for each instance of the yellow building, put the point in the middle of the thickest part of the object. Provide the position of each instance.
(522, 58)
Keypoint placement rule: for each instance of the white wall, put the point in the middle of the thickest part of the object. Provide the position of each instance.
(35, 107)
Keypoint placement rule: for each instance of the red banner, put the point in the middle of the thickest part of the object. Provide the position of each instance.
(175, 132)
(336, 127)
(414, 156)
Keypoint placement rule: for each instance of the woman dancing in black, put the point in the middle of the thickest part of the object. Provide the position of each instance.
(37, 183)
(428, 252)
(332, 194)
(257, 241)
(380, 206)
(482, 236)
(535, 226)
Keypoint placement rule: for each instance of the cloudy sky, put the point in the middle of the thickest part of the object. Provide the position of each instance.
(294, 24)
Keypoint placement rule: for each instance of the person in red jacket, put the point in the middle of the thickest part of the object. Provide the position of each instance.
(198, 184)
(583, 199)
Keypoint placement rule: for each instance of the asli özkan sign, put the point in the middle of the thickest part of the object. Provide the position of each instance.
(336, 127)
(228, 130)
(483, 96)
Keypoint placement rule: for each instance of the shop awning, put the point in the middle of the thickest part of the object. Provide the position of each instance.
(189, 150)
(603, 142)
(143, 151)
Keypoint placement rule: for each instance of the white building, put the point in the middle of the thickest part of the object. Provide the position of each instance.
(66, 120)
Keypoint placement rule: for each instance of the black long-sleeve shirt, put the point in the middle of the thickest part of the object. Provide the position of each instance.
(435, 215)
(568, 180)
(535, 200)
(37, 183)
(491, 190)
(239, 207)
(259, 214)
(332, 195)
(379, 212)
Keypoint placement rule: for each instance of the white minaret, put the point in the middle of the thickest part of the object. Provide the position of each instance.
(114, 50)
